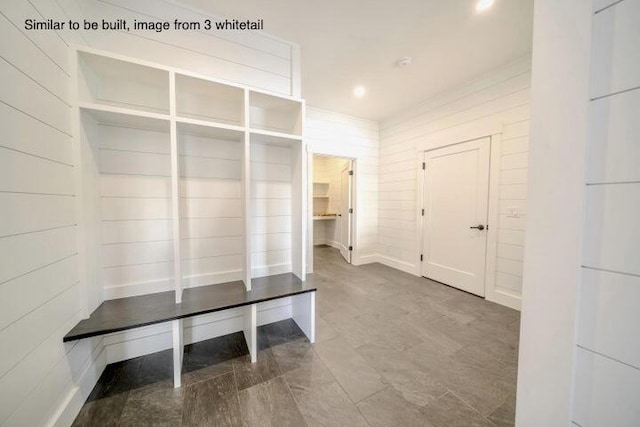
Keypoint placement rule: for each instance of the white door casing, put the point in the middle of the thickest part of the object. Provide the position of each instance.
(456, 196)
(345, 208)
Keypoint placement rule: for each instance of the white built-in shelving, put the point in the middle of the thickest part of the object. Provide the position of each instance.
(185, 181)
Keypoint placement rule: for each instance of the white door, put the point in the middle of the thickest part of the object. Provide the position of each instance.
(456, 198)
(345, 211)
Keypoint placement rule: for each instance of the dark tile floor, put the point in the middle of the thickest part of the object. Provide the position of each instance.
(392, 350)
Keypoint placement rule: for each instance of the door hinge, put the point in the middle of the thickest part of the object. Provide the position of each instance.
(350, 248)
(350, 172)
(422, 211)
(421, 257)
(424, 165)
(350, 210)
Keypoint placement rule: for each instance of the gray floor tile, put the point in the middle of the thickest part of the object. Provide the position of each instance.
(158, 404)
(450, 411)
(388, 408)
(270, 404)
(212, 403)
(103, 412)
(310, 375)
(249, 374)
(414, 384)
(328, 405)
(324, 331)
(355, 375)
(505, 414)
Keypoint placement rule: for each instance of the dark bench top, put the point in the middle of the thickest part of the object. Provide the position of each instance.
(132, 312)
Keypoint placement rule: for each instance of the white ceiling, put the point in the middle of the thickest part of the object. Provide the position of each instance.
(350, 42)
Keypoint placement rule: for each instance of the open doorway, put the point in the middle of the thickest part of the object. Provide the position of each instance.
(332, 204)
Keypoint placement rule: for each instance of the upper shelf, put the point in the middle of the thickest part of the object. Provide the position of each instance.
(123, 117)
(274, 114)
(108, 81)
(273, 138)
(207, 100)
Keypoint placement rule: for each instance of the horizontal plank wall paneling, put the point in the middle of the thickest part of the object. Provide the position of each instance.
(606, 391)
(345, 136)
(607, 374)
(499, 100)
(39, 281)
(271, 204)
(211, 197)
(253, 59)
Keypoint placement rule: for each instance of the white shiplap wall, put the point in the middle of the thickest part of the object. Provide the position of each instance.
(607, 372)
(500, 97)
(346, 136)
(271, 209)
(247, 58)
(39, 280)
(42, 381)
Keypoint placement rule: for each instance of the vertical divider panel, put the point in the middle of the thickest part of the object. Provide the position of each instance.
(175, 190)
(250, 316)
(299, 204)
(178, 343)
(303, 311)
(250, 329)
(77, 157)
(246, 193)
(178, 352)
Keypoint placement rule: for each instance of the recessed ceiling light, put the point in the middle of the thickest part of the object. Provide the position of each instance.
(404, 61)
(483, 5)
(359, 91)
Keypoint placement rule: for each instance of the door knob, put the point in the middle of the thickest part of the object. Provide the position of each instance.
(479, 227)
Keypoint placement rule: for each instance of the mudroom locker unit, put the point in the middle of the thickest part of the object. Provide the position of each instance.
(192, 202)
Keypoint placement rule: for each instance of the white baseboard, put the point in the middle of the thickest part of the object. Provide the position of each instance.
(71, 405)
(365, 259)
(397, 264)
(333, 244)
(505, 298)
(142, 288)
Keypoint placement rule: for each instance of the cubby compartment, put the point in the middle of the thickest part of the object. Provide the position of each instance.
(274, 114)
(111, 82)
(276, 205)
(126, 175)
(211, 204)
(206, 100)
(186, 188)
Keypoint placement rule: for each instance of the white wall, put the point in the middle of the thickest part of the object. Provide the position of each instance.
(495, 103)
(43, 381)
(271, 208)
(248, 58)
(559, 116)
(607, 366)
(39, 280)
(345, 136)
